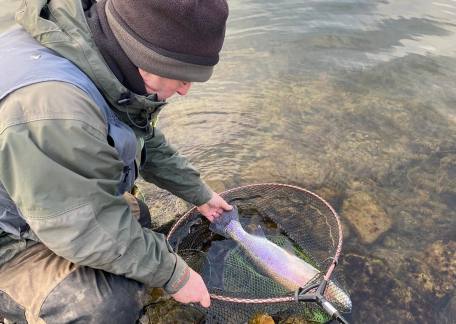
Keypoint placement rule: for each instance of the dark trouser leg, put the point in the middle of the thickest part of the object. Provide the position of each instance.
(50, 289)
(94, 296)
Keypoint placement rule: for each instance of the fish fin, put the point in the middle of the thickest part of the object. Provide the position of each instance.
(215, 262)
(219, 224)
(258, 231)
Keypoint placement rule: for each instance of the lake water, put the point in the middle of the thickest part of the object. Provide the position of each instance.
(355, 100)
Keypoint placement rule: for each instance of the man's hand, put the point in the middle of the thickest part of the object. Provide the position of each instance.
(214, 207)
(194, 291)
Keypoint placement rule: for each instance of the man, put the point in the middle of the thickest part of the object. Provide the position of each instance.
(82, 84)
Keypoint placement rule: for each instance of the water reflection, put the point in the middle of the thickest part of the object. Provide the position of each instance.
(355, 100)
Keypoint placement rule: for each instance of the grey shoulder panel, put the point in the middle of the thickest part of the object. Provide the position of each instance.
(39, 102)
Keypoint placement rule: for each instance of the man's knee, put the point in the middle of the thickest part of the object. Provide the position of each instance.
(94, 296)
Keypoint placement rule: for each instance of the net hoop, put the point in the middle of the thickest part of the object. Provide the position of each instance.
(282, 299)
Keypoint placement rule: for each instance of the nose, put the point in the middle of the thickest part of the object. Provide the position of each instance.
(184, 88)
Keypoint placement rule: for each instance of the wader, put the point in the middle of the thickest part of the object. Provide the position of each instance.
(37, 286)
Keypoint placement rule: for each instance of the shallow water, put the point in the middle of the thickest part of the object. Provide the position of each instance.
(356, 101)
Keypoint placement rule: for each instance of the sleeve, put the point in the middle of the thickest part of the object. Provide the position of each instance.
(62, 175)
(169, 170)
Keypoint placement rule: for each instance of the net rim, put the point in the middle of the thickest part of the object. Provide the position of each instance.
(281, 299)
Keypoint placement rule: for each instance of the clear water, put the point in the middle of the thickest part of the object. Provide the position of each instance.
(350, 99)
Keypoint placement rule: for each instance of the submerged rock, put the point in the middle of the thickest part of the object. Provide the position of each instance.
(157, 295)
(261, 319)
(441, 260)
(448, 315)
(367, 217)
(432, 272)
(376, 290)
(296, 319)
(172, 312)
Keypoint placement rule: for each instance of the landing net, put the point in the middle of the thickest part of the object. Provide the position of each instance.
(293, 218)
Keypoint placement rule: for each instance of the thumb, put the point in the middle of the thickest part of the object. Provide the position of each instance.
(206, 300)
(226, 206)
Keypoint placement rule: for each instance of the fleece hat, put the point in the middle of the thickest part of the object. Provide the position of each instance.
(176, 39)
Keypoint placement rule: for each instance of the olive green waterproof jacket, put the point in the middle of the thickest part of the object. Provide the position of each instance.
(59, 169)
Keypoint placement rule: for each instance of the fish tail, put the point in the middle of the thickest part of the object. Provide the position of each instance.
(220, 223)
(338, 295)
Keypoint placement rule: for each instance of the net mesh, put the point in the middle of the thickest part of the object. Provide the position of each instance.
(295, 219)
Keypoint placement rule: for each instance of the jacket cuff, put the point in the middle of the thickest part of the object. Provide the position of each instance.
(203, 195)
(179, 277)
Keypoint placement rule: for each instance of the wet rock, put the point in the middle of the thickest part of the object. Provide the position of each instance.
(157, 295)
(261, 319)
(172, 312)
(164, 207)
(366, 216)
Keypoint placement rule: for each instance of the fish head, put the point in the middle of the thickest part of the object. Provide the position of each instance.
(219, 224)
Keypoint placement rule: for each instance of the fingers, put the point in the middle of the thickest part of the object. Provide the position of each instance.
(194, 291)
(227, 206)
(206, 300)
(214, 208)
(217, 213)
(223, 205)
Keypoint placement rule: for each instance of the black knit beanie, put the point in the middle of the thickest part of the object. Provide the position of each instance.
(176, 39)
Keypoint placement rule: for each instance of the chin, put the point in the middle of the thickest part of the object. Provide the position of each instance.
(164, 97)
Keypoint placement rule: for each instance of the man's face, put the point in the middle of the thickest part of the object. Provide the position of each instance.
(163, 87)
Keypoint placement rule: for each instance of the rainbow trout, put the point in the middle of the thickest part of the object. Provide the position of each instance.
(282, 266)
